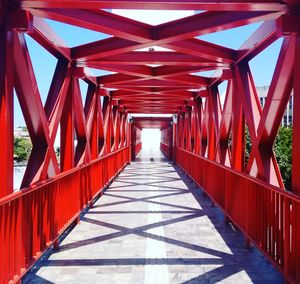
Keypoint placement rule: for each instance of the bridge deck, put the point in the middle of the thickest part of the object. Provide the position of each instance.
(153, 226)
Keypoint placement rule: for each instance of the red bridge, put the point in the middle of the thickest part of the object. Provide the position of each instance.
(204, 138)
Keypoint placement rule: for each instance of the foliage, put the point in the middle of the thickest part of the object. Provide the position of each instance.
(22, 148)
(283, 152)
(57, 153)
(248, 145)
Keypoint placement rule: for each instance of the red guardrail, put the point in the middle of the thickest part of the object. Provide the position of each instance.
(166, 149)
(31, 219)
(267, 215)
(138, 148)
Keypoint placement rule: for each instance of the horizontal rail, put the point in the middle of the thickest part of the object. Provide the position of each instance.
(32, 219)
(166, 149)
(268, 216)
(137, 148)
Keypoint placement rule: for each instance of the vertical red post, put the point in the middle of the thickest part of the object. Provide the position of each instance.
(67, 133)
(107, 110)
(296, 121)
(174, 140)
(133, 141)
(6, 111)
(129, 140)
(213, 120)
(94, 144)
(238, 129)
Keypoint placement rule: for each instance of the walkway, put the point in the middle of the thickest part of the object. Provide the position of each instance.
(152, 227)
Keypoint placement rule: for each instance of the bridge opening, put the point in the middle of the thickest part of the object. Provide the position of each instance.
(151, 143)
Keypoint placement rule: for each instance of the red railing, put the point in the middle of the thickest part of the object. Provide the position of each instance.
(267, 215)
(138, 148)
(30, 220)
(166, 149)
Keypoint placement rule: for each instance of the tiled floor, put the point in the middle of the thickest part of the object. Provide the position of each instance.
(152, 227)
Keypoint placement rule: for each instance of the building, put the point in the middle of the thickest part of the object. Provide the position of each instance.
(21, 132)
(287, 119)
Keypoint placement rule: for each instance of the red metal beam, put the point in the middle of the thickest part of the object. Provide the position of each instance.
(99, 20)
(226, 5)
(203, 49)
(153, 96)
(104, 48)
(276, 102)
(223, 153)
(67, 156)
(82, 154)
(157, 102)
(113, 46)
(42, 154)
(208, 22)
(144, 58)
(265, 35)
(47, 38)
(133, 70)
(149, 83)
(6, 111)
(116, 79)
(244, 105)
(58, 85)
(154, 72)
(296, 121)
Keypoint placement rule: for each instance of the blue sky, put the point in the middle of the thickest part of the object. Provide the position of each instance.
(44, 63)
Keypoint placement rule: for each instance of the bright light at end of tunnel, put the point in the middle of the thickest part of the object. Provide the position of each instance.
(151, 139)
(150, 115)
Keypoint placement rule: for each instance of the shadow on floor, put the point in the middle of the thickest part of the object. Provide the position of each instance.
(239, 259)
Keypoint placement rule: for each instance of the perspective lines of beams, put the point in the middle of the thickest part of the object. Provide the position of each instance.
(154, 69)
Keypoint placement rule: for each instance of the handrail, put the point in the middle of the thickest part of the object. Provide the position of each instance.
(39, 184)
(286, 193)
(166, 149)
(32, 219)
(268, 216)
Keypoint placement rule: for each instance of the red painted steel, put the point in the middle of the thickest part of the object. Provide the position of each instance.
(267, 215)
(30, 220)
(167, 141)
(136, 140)
(152, 122)
(210, 135)
(166, 149)
(230, 5)
(6, 111)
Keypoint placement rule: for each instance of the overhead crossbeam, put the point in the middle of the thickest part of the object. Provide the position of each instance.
(227, 5)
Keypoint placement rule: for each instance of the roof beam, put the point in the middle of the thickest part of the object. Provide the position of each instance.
(99, 20)
(104, 48)
(151, 103)
(157, 58)
(264, 36)
(121, 78)
(113, 46)
(203, 49)
(156, 83)
(132, 70)
(161, 92)
(47, 38)
(227, 5)
(208, 22)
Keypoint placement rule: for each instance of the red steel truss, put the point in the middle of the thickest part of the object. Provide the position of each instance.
(252, 195)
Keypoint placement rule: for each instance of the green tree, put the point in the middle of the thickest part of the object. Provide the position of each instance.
(283, 152)
(248, 145)
(22, 148)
